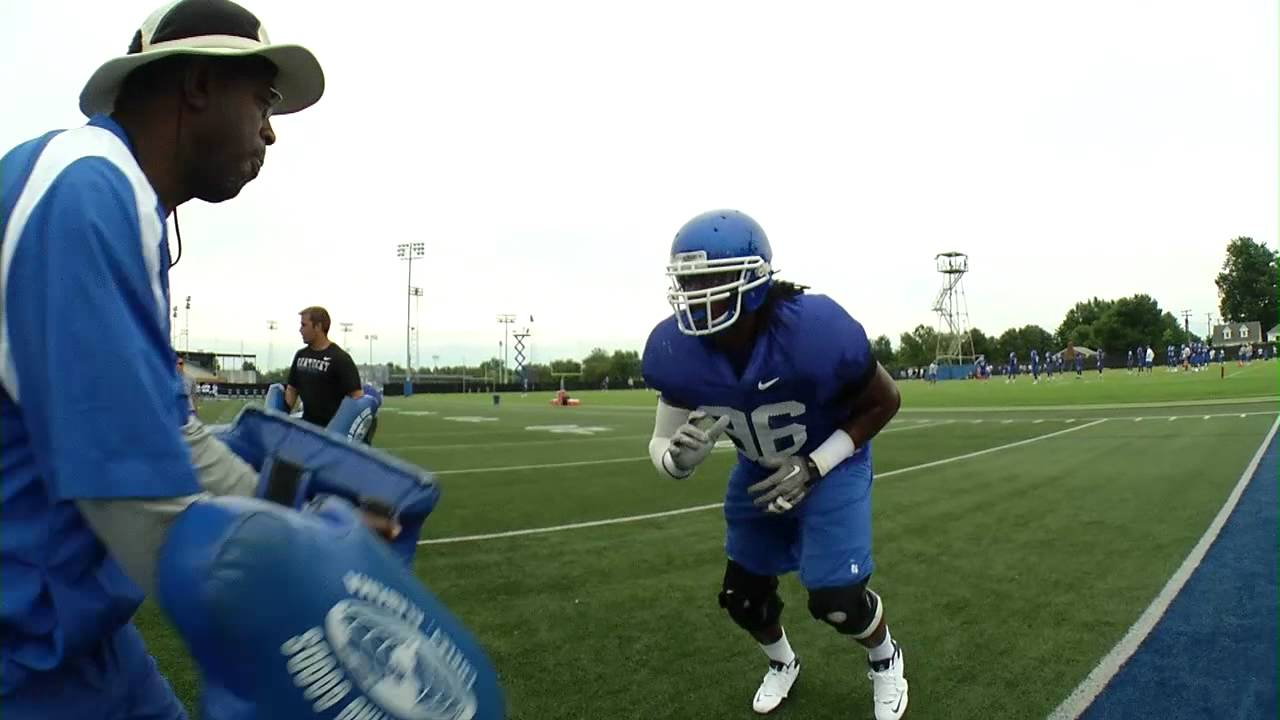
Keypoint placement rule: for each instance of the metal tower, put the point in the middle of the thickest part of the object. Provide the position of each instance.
(955, 342)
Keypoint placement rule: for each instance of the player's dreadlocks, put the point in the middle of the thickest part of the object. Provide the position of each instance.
(781, 289)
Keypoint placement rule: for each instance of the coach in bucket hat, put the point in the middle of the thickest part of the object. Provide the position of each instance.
(100, 462)
(216, 28)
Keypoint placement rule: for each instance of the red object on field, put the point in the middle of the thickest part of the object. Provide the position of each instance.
(562, 399)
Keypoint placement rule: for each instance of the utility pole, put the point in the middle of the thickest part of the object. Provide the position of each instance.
(1186, 321)
(506, 321)
(409, 252)
(346, 328)
(370, 338)
(271, 341)
(186, 329)
(416, 294)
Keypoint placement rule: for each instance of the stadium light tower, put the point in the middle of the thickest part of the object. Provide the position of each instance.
(186, 326)
(371, 338)
(271, 341)
(506, 321)
(416, 294)
(954, 336)
(346, 328)
(409, 252)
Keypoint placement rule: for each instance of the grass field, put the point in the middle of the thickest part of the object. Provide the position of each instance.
(1019, 531)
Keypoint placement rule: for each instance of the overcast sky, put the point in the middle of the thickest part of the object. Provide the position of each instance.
(546, 153)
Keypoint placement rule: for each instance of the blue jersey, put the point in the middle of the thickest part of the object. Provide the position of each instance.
(809, 357)
(1035, 359)
(84, 281)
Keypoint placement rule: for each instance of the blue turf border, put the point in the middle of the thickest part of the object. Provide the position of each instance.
(1213, 654)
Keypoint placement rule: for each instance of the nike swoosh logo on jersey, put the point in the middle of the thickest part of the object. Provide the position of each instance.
(762, 385)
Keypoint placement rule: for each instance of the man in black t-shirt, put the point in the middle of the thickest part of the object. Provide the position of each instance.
(322, 373)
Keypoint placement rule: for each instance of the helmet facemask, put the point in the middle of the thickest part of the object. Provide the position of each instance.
(710, 295)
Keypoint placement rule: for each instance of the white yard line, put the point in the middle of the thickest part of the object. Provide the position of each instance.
(1097, 680)
(571, 438)
(696, 508)
(609, 461)
(558, 438)
(1111, 406)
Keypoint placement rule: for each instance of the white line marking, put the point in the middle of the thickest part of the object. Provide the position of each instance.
(579, 463)
(1172, 418)
(1089, 688)
(540, 466)
(515, 443)
(570, 526)
(667, 513)
(1107, 406)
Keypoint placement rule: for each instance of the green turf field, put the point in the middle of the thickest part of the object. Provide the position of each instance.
(1019, 530)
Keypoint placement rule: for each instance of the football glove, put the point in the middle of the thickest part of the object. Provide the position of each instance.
(694, 441)
(787, 486)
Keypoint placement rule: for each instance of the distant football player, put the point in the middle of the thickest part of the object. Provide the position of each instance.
(790, 378)
(1099, 358)
(1011, 370)
(1035, 367)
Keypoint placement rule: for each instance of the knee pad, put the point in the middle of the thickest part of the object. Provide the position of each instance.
(850, 609)
(751, 600)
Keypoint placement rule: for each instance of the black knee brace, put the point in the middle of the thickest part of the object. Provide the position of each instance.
(850, 609)
(751, 600)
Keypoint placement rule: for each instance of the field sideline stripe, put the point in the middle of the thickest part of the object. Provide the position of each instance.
(697, 508)
(610, 461)
(1096, 681)
(571, 437)
(1100, 406)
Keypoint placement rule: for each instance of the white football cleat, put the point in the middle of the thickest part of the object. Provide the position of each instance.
(889, 686)
(775, 686)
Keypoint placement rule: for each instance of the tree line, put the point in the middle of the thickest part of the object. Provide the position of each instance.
(1248, 289)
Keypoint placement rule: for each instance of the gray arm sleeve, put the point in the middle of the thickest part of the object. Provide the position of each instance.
(133, 530)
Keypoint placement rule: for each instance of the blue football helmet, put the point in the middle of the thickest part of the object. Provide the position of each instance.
(719, 269)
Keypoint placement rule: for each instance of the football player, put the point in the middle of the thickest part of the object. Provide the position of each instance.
(790, 378)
